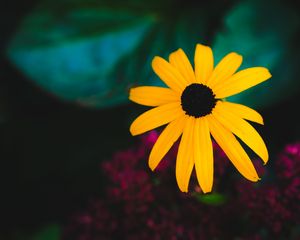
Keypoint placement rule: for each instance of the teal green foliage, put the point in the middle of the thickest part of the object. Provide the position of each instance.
(263, 32)
(92, 52)
(78, 52)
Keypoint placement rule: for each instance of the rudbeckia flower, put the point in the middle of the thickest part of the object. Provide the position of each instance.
(194, 106)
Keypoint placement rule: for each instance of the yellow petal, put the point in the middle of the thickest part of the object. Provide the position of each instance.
(185, 158)
(166, 140)
(181, 62)
(204, 63)
(242, 129)
(156, 117)
(168, 74)
(232, 149)
(225, 69)
(243, 112)
(153, 96)
(203, 155)
(241, 81)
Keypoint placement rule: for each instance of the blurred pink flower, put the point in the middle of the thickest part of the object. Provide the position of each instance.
(138, 204)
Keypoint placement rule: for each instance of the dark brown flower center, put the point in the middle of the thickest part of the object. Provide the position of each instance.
(198, 100)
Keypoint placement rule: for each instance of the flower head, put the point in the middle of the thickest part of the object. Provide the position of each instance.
(194, 106)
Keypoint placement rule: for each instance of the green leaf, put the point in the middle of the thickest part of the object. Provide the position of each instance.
(264, 33)
(214, 199)
(81, 51)
(51, 232)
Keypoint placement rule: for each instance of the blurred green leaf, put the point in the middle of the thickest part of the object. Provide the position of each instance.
(51, 232)
(214, 199)
(264, 33)
(79, 51)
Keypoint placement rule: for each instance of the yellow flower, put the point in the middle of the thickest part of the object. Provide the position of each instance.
(194, 106)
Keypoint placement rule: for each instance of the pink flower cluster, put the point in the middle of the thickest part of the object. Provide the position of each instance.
(138, 204)
(275, 204)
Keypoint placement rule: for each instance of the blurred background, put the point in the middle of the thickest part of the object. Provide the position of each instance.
(66, 68)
